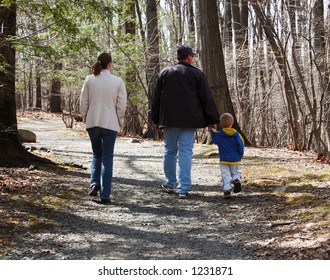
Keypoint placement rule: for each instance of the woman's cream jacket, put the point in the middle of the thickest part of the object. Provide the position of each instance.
(103, 101)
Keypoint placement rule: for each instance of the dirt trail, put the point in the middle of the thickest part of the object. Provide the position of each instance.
(265, 221)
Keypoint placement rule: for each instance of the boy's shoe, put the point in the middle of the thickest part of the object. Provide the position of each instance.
(226, 194)
(183, 195)
(94, 189)
(237, 186)
(168, 189)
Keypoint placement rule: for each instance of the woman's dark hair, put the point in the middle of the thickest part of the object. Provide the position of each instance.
(102, 63)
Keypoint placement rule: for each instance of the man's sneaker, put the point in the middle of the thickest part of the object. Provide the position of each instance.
(94, 189)
(168, 189)
(237, 186)
(227, 194)
(105, 201)
(183, 195)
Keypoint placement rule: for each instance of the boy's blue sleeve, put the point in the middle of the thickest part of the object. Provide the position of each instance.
(240, 145)
(215, 139)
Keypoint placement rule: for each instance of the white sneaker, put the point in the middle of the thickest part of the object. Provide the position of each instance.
(183, 195)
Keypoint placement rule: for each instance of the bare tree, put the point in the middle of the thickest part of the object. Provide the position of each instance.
(191, 18)
(321, 52)
(226, 24)
(132, 124)
(326, 87)
(289, 87)
(210, 49)
(240, 25)
(152, 67)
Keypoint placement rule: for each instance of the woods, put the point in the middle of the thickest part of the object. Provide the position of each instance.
(266, 61)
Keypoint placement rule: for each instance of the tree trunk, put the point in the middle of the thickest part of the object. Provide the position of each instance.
(296, 53)
(8, 119)
(319, 44)
(211, 50)
(38, 92)
(264, 96)
(152, 67)
(38, 87)
(132, 123)
(240, 24)
(327, 118)
(10, 146)
(326, 102)
(226, 25)
(30, 87)
(55, 96)
(11, 151)
(191, 18)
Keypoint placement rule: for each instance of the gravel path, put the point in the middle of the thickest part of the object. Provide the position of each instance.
(143, 222)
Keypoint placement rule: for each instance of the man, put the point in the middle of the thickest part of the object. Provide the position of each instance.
(182, 102)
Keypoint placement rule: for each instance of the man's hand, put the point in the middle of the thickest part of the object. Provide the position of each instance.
(212, 126)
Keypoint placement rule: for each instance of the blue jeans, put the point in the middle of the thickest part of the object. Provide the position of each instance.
(103, 144)
(179, 143)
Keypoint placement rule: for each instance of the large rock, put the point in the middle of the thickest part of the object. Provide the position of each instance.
(27, 136)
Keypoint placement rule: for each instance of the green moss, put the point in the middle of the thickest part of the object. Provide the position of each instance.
(299, 198)
(325, 176)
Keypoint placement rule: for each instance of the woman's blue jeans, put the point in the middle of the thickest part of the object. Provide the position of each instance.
(103, 144)
(179, 144)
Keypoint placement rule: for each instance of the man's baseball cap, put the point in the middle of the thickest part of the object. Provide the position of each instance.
(185, 50)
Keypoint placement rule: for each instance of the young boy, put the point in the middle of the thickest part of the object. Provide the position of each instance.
(231, 149)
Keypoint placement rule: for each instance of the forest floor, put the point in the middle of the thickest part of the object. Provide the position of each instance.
(282, 213)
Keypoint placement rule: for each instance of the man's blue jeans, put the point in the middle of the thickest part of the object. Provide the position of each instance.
(179, 144)
(103, 144)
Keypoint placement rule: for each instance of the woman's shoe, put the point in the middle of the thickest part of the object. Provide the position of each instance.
(94, 189)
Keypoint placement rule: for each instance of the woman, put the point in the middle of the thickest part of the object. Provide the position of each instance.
(103, 104)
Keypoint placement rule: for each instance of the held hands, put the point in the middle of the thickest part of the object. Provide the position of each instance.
(212, 126)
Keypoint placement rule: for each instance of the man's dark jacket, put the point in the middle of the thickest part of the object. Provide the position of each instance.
(183, 98)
